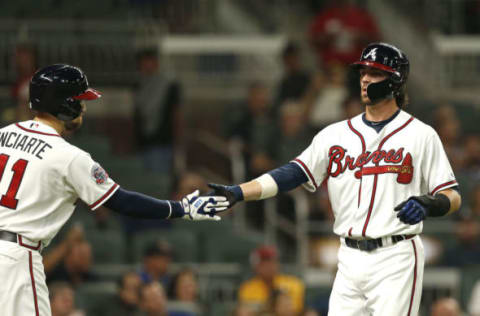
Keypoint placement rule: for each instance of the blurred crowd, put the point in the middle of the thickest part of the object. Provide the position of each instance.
(273, 125)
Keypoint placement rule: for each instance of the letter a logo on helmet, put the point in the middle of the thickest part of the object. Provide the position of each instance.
(372, 54)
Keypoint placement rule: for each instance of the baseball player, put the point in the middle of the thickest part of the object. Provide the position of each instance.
(41, 178)
(386, 172)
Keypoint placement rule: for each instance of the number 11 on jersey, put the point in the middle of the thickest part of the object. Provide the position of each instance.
(8, 199)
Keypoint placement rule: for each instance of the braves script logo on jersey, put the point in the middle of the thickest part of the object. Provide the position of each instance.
(339, 162)
(99, 174)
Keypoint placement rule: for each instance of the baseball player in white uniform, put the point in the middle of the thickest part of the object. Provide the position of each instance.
(41, 178)
(386, 171)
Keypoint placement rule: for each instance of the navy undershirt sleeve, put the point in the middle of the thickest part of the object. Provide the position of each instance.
(288, 177)
(139, 205)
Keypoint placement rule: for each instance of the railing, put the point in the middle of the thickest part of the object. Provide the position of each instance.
(104, 49)
(220, 67)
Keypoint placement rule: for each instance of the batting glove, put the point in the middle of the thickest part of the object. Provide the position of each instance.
(411, 211)
(232, 193)
(199, 208)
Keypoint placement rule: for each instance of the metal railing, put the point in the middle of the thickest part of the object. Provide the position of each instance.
(104, 49)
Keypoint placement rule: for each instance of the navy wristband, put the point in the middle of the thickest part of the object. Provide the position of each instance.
(440, 206)
(237, 192)
(177, 209)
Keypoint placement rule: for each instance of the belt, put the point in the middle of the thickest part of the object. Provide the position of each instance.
(372, 244)
(19, 239)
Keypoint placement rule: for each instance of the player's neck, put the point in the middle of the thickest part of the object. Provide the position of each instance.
(52, 122)
(381, 111)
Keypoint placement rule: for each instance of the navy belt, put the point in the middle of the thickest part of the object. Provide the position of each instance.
(372, 244)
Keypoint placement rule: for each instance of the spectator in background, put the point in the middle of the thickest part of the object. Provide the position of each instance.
(156, 263)
(128, 297)
(183, 290)
(158, 116)
(446, 306)
(294, 134)
(55, 255)
(62, 300)
(447, 125)
(259, 290)
(340, 31)
(295, 80)
(243, 309)
(310, 312)
(25, 59)
(471, 158)
(184, 286)
(466, 249)
(280, 304)
(325, 97)
(75, 268)
(189, 181)
(71, 260)
(251, 123)
(153, 301)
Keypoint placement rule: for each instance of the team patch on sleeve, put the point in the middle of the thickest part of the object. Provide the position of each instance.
(99, 174)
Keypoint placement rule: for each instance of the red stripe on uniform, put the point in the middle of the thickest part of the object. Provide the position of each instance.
(20, 242)
(308, 171)
(364, 147)
(414, 279)
(442, 186)
(33, 131)
(100, 200)
(374, 191)
(359, 135)
(32, 278)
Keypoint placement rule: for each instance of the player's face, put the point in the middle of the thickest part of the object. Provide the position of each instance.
(369, 75)
(75, 124)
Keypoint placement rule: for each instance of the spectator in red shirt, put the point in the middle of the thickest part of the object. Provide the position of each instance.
(340, 31)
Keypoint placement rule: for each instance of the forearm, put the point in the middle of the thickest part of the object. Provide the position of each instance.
(455, 199)
(251, 190)
(282, 179)
(139, 205)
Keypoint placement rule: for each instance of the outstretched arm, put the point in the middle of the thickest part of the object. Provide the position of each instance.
(193, 206)
(282, 179)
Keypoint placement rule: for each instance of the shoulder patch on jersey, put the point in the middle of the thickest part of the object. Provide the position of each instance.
(99, 174)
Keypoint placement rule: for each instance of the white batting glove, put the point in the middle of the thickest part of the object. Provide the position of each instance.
(199, 208)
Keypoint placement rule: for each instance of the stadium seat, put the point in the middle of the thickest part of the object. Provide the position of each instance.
(183, 243)
(230, 247)
(470, 276)
(92, 297)
(107, 246)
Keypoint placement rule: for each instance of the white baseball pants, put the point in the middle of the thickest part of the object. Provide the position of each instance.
(23, 290)
(385, 281)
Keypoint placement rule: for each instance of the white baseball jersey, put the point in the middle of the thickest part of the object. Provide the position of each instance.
(41, 178)
(369, 173)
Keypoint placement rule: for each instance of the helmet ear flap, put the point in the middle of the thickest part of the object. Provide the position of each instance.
(69, 110)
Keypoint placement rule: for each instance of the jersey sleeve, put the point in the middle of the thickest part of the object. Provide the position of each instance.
(90, 181)
(313, 162)
(436, 170)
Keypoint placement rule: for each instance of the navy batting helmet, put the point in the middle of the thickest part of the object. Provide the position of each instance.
(390, 59)
(58, 89)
